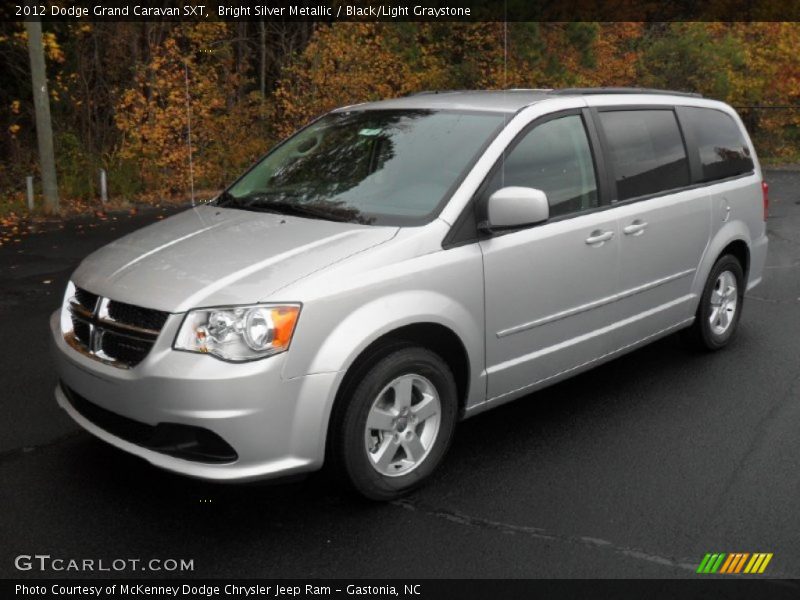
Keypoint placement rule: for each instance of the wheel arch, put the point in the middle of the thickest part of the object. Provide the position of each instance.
(734, 239)
(431, 335)
(740, 250)
(432, 319)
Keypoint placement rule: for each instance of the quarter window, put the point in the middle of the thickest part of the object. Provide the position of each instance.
(647, 151)
(720, 144)
(555, 158)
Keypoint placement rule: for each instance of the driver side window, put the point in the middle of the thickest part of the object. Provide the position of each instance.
(554, 157)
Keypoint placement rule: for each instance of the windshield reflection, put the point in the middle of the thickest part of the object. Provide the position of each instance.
(370, 167)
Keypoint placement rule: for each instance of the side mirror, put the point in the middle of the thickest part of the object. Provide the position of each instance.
(512, 207)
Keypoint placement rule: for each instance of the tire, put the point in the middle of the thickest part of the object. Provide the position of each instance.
(718, 315)
(395, 423)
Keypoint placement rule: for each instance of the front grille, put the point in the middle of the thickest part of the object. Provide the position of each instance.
(111, 331)
(87, 300)
(146, 318)
(175, 439)
(124, 348)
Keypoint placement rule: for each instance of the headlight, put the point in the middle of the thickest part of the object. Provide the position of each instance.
(238, 333)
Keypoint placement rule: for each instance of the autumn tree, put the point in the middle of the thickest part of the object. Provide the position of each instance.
(191, 82)
(343, 64)
(118, 90)
(767, 86)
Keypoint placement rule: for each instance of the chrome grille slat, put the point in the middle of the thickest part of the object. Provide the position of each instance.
(112, 332)
(81, 330)
(81, 311)
(133, 329)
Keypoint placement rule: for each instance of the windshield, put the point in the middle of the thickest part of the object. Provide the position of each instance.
(375, 167)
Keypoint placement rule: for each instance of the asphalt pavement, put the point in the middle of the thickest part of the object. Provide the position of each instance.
(635, 469)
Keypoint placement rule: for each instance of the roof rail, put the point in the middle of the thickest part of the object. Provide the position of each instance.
(429, 92)
(515, 89)
(621, 90)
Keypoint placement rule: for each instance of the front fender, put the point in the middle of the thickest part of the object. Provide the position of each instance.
(350, 306)
(360, 328)
(379, 317)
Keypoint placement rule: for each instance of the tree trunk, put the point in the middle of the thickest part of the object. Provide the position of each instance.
(44, 130)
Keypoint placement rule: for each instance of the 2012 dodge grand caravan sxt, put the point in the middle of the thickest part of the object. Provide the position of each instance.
(396, 266)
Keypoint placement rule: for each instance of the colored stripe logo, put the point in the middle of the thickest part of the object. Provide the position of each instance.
(735, 563)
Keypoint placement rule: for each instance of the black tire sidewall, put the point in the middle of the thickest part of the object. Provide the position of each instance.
(711, 340)
(350, 447)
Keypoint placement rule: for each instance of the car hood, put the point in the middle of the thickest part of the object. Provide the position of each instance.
(209, 256)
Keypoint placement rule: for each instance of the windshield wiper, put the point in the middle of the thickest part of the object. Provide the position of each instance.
(261, 202)
(300, 210)
(226, 200)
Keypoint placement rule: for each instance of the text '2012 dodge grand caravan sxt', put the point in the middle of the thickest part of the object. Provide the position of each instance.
(398, 265)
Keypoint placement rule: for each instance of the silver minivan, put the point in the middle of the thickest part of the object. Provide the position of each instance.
(397, 266)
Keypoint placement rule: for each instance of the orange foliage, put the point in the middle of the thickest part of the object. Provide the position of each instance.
(746, 64)
(343, 64)
(770, 76)
(155, 114)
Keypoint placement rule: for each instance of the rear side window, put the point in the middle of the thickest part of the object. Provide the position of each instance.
(647, 151)
(554, 157)
(720, 143)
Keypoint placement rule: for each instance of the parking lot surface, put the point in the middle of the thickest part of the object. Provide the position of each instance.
(635, 469)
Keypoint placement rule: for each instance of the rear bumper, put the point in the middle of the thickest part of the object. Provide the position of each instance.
(758, 258)
(273, 426)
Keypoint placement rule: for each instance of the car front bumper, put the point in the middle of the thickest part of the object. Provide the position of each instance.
(275, 426)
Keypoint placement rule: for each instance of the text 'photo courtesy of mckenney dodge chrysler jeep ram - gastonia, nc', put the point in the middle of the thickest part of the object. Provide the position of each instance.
(397, 266)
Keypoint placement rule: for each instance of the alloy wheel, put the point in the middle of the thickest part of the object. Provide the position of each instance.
(402, 425)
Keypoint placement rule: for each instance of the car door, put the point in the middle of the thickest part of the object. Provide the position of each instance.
(664, 223)
(547, 287)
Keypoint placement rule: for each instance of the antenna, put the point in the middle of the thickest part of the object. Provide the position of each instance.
(505, 45)
(505, 86)
(189, 127)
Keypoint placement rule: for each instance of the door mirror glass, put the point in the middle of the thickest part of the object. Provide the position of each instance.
(512, 207)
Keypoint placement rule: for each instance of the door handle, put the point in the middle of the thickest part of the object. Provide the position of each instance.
(598, 237)
(635, 228)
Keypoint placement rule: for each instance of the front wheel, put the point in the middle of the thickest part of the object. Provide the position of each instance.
(720, 306)
(397, 423)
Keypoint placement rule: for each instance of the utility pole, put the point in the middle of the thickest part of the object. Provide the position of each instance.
(44, 129)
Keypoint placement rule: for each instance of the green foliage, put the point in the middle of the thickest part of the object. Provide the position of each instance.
(124, 182)
(77, 170)
(581, 36)
(690, 57)
(526, 41)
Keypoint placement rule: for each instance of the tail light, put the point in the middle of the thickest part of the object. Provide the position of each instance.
(765, 198)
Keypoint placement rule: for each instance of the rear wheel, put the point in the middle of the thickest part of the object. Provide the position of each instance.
(397, 423)
(720, 306)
